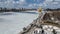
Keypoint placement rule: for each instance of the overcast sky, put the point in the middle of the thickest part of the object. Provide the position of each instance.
(30, 3)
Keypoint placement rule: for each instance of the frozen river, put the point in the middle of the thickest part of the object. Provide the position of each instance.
(13, 22)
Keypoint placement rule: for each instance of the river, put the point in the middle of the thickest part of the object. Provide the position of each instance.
(13, 22)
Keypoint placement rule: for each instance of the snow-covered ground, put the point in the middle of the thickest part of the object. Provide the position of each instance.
(13, 22)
